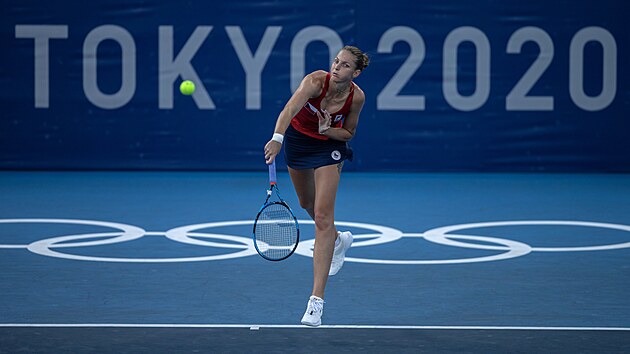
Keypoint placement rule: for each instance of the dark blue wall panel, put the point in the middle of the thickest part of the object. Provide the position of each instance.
(452, 86)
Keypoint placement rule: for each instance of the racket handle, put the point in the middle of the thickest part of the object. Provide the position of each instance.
(272, 173)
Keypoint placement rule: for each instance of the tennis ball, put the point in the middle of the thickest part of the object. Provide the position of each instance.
(187, 88)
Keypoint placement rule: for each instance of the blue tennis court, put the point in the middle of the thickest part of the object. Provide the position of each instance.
(441, 262)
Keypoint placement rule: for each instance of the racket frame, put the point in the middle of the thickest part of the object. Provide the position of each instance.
(273, 186)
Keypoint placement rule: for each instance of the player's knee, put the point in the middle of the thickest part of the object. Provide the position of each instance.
(307, 204)
(323, 220)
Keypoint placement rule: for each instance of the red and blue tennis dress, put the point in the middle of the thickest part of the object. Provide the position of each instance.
(304, 147)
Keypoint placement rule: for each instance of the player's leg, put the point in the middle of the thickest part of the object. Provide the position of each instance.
(326, 184)
(304, 184)
(326, 181)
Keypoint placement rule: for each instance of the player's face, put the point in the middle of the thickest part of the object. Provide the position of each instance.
(343, 67)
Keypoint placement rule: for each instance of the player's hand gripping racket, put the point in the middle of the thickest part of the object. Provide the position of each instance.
(276, 230)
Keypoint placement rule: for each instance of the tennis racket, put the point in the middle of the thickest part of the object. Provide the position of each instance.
(276, 230)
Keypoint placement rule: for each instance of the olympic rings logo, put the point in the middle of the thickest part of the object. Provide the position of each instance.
(243, 246)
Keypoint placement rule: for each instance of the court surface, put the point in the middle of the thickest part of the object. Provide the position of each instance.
(145, 262)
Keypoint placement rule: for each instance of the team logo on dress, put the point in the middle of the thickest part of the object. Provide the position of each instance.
(310, 107)
(336, 155)
(338, 117)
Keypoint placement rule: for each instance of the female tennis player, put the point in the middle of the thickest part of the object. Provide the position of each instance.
(315, 126)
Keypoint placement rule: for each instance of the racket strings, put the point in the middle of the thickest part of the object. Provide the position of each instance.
(276, 232)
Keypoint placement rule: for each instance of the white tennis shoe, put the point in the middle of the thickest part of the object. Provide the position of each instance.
(314, 310)
(339, 255)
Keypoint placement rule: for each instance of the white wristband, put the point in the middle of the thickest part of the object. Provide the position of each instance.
(278, 137)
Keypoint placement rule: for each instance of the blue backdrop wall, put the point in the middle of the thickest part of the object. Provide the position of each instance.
(452, 86)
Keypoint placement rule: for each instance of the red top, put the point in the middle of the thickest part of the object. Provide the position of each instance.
(306, 121)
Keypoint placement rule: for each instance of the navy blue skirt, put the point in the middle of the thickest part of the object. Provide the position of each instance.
(303, 152)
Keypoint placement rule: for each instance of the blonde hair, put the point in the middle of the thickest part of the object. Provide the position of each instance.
(361, 59)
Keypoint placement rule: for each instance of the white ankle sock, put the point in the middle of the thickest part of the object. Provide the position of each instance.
(337, 241)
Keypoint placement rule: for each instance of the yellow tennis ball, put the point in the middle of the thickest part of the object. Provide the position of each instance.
(187, 87)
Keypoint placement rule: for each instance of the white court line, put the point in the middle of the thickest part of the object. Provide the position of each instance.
(260, 326)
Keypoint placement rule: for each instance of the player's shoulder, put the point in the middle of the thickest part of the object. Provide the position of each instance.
(320, 74)
(314, 81)
(358, 93)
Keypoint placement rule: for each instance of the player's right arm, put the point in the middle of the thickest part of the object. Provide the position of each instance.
(311, 86)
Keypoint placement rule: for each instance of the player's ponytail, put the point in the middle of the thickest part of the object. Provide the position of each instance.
(361, 59)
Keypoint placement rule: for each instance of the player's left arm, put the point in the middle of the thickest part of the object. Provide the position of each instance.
(348, 129)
